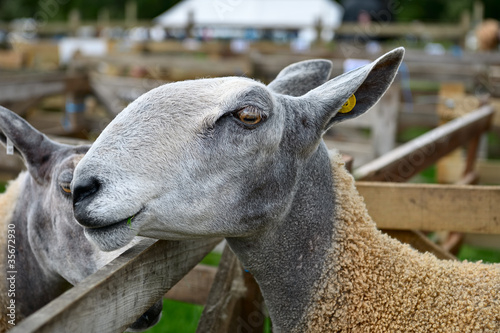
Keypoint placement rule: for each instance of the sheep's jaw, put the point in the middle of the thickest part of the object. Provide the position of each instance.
(115, 235)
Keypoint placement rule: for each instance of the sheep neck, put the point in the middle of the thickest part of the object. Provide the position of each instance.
(47, 285)
(371, 282)
(288, 259)
(327, 268)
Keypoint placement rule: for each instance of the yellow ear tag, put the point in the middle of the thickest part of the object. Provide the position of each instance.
(349, 105)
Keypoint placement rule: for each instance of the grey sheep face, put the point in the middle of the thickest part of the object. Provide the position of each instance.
(47, 200)
(215, 157)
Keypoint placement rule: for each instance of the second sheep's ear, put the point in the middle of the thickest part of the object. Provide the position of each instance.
(34, 147)
(368, 84)
(301, 77)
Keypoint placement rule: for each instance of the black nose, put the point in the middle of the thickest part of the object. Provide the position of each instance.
(85, 189)
(83, 192)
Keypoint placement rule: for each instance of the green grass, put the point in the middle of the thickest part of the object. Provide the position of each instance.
(426, 176)
(178, 317)
(2, 187)
(473, 253)
(212, 259)
(411, 133)
(424, 86)
(493, 146)
(493, 138)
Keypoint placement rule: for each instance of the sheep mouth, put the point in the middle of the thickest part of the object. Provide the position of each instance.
(129, 221)
(115, 235)
(110, 228)
(111, 237)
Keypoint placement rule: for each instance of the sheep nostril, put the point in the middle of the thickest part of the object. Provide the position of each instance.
(85, 189)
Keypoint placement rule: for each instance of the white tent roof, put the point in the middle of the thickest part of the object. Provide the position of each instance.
(254, 13)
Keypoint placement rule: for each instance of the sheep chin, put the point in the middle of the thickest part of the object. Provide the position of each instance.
(112, 237)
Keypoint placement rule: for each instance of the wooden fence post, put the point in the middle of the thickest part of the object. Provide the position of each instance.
(235, 302)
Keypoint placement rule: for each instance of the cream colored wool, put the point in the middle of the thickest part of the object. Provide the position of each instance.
(373, 283)
(7, 204)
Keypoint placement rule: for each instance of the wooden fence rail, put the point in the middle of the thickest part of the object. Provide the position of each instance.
(115, 296)
(415, 29)
(117, 92)
(19, 88)
(463, 208)
(407, 160)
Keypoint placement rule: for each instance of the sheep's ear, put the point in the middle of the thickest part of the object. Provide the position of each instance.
(35, 148)
(367, 84)
(301, 77)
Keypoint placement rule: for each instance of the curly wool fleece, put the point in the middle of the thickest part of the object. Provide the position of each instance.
(7, 204)
(373, 283)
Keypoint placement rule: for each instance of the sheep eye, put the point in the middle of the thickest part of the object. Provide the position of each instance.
(249, 116)
(65, 187)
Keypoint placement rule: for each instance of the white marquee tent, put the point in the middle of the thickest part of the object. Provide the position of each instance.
(255, 14)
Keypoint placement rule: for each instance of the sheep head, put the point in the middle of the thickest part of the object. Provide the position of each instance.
(46, 196)
(215, 157)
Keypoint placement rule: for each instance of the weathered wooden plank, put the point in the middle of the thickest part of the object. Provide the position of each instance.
(421, 66)
(450, 169)
(21, 107)
(227, 289)
(467, 58)
(12, 59)
(176, 67)
(462, 208)
(472, 153)
(455, 31)
(407, 160)
(25, 87)
(469, 178)
(115, 296)
(250, 314)
(107, 97)
(116, 92)
(62, 27)
(19, 92)
(195, 286)
(482, 240)
(385, 127)
(489, 172)
(453, 242)
(235, 303)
